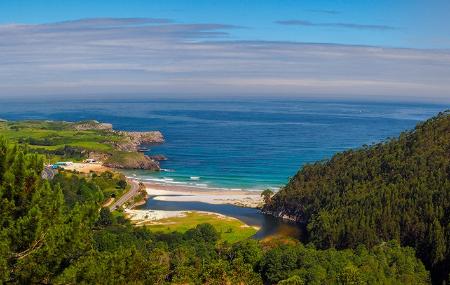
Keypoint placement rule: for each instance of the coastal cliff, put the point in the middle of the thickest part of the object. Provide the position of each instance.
(131, 160)
(125, 154)
(90, 139)
(133, 140)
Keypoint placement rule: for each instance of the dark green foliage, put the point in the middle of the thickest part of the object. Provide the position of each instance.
(122, 184)
(65, 152)
(39, 234)
(35, 141)
(106, 218)
(249, 250)
(267, 195)
(56, 233)
(78, 189)
(203, 232)
(395, 190)
(385, 264)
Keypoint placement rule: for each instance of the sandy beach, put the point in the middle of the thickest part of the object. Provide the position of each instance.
(179, 193)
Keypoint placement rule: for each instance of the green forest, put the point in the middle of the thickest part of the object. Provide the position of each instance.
(395, 190)
(55, 232)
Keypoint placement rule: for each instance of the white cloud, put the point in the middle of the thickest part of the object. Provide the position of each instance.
(155, 56)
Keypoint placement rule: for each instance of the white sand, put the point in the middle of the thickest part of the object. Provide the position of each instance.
(146, 216)
(250, 199)
(211, 199)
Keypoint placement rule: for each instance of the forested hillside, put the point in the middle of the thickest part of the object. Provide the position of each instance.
(56, 233)
(399, 189)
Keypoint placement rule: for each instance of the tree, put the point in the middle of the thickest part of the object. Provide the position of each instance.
(267, 195)
(294, 280)
(105, 218)
(437, 243)
(122, 184)
(350, 276)
(203, 232)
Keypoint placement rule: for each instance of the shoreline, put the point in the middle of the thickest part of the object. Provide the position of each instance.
(182, 193)
(156, 217)
(178, 193)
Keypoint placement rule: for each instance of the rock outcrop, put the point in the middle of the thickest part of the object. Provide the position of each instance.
(131, 161)
(158, 157)
(133, 140)
(92, 125)
(283, 215)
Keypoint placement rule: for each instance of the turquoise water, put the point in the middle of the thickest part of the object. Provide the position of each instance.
(251, 144)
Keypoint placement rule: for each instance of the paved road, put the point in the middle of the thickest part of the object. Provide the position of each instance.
(127, 196)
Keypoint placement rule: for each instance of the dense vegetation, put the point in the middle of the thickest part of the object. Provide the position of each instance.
(56, 233)
(399, 189)
(89, 187)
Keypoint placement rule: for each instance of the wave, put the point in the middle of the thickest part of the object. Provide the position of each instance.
(195, 184)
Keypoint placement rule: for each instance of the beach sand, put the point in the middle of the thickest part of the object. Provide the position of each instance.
(164, 192)
(139, 217)
(178, 193)
(86, 167)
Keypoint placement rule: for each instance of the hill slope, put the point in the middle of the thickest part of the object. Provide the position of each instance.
(54, 232)
(398, 189)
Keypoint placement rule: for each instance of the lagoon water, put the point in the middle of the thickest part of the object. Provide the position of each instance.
(241, 143)
(268, 225)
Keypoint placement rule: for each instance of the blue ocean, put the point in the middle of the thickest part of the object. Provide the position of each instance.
(239, 143)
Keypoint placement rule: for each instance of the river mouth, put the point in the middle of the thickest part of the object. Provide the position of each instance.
(269, 225)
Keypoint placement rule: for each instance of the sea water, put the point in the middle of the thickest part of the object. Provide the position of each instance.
(241, 143)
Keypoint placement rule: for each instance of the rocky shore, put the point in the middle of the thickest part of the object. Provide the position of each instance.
(133, 140)
(126, 154)
(281, 215)
(92, 125)
(131, 161)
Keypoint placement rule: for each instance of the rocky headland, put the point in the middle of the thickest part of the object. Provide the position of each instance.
(131, 160)
(133, 140)
(92, 125)
(126, 153)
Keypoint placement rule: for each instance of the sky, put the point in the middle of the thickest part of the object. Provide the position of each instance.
(375, 50)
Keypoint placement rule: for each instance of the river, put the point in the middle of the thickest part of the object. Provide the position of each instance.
(269, 225)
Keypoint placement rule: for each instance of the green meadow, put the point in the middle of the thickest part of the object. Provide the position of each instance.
(59, 140)
(230, 229)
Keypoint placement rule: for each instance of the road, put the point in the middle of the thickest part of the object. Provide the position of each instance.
(127, 196)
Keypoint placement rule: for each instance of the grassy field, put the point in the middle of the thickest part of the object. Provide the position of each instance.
(230, 229)
(59, 140)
